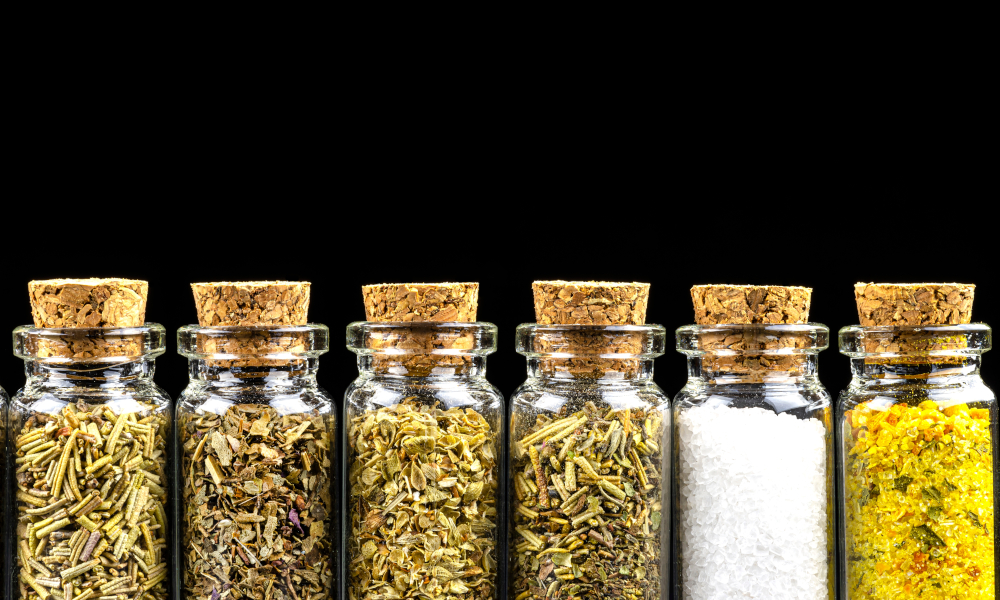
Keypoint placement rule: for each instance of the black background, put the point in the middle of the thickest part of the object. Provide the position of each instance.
(597, 162)
(764, 175)
(505, 256)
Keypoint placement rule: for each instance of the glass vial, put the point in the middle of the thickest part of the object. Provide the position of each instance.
(589, 504)
(917, 457)
(89, 479)
(255, 448)
(4, 568)
(753, 436)
(423, 448)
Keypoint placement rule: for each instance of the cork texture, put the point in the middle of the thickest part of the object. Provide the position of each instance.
(591, 352)
(87, 345)
(78, 303)
(89, 306)
(590, 302)
(756, 359)
(748, 304)
(602, 303)
(252, 344)
(752, 305)
(422, 344)
(252, 303)
(910, 304)
(405, 302)
(421, 303)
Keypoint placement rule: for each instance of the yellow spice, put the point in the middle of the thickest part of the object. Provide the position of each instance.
(919, 514)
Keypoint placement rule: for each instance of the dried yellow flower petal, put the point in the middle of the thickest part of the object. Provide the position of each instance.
(919, 502)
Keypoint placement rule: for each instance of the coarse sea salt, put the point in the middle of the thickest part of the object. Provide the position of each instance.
(752, 505)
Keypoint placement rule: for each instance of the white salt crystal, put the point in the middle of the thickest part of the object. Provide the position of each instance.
(753, 505)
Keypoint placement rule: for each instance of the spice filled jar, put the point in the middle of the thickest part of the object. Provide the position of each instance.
(4, 399)
(422, 448)
(918, 448)
(589, 466)
(87, 439)
(753, 436)
(255, 450)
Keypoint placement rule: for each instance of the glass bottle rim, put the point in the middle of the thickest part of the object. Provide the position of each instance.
(972, 339)
(149, 341)
(693, 339)
(649, 340)
(377, 337)
(287, 342)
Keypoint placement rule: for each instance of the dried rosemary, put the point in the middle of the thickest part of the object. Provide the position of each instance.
(257, 503)
(91, 505)
(588, 506)
(422, 501)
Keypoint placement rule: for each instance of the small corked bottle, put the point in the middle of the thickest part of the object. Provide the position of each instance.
(589, 506)
(4, 399)
(255, 444)
(422, 448)
(917, 455)
(753, 436)
(88, 481)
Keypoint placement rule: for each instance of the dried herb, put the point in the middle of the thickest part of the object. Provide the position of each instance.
(257, 504)
(925, 535)
(422, 502)
(931, 493)
(902, 483)
(91, 505)
(588, 506)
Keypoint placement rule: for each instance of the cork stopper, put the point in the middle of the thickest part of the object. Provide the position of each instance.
(252, 303)
(406, 302)
(87, 305)
(421, 304)
(908, 304)
(747, 304)
(590, 303)
(78, 303)
(755, 358)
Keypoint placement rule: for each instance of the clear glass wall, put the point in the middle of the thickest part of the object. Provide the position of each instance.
(423, 452)
(90, 481)
(589, 509)
(255, 450)
(754, 471)
(917, 463)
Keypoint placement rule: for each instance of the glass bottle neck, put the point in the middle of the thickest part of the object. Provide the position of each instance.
(929, 354)
(254, 372)
(587, 368)
(914, 368)
(421, 365)
(88, 373)
(712, 368)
